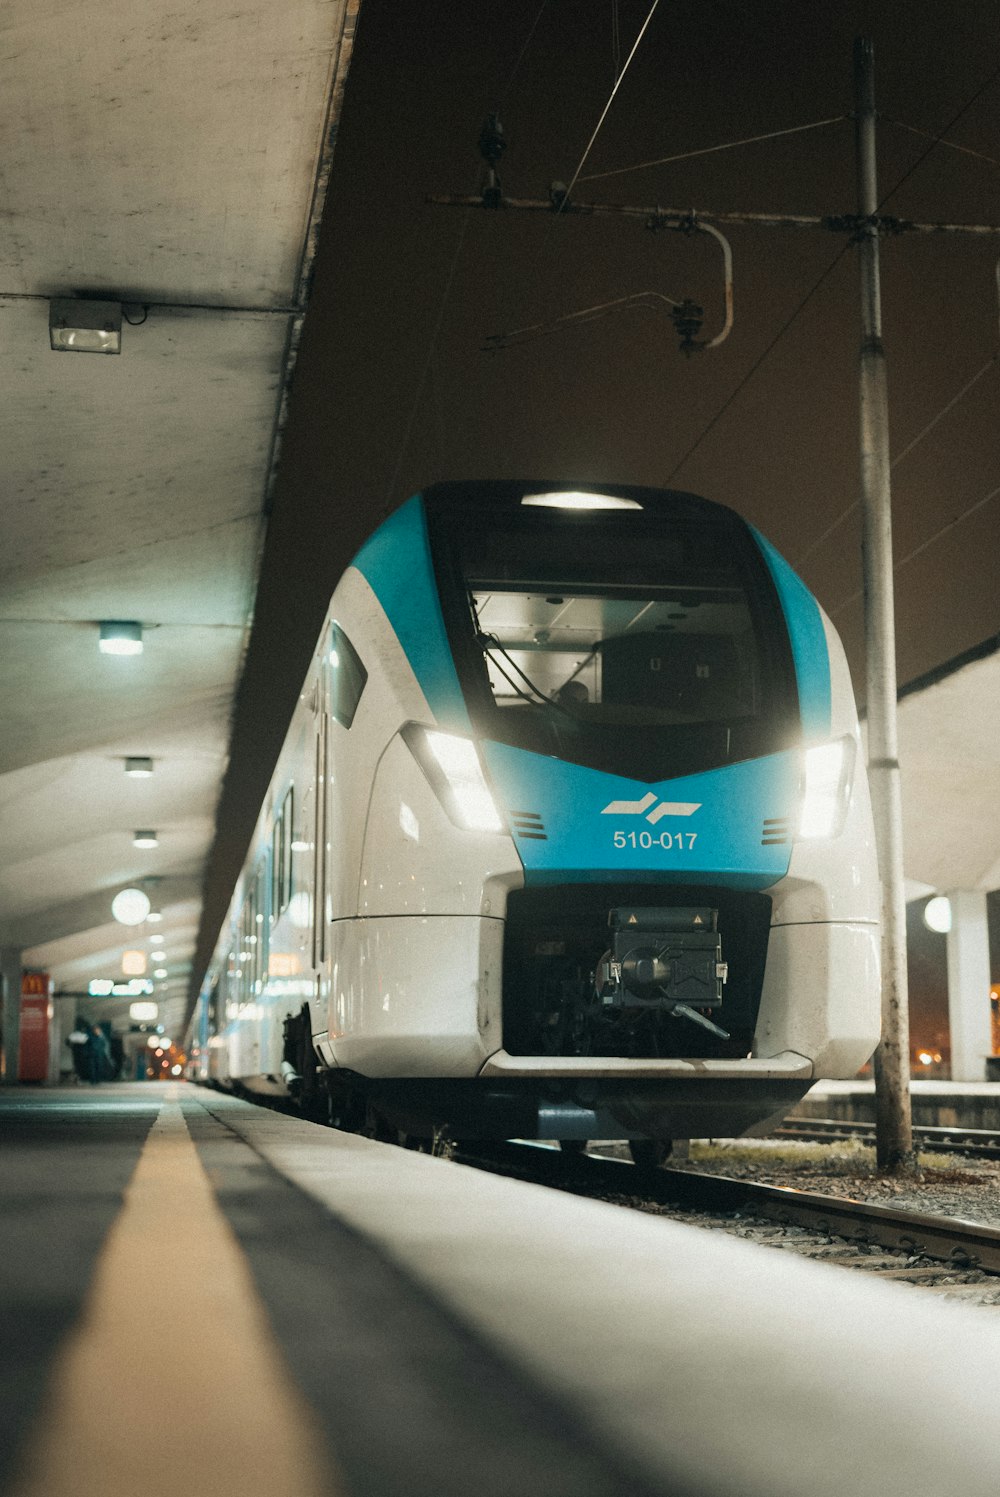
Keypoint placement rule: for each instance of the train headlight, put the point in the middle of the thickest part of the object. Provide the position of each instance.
(452, 766)
(827, 776)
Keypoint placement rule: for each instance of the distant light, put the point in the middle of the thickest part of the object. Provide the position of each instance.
(153, 1041)
(136, 987)
(925, 1058)
(576, 499)
(160, 972)
(138, 767)
(937, 914)
(120, 637)
(130, 907)
(175, 1070)
(100, 987)
(145, 839)
(79, 325)
(134, 963)
(154, 915)
(143, 1013)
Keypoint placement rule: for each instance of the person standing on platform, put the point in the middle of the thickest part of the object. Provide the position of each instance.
(79, 1045)
(99, 1055)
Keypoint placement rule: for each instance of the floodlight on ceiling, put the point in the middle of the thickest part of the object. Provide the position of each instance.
(575, 499)
(79, 325)
(137, 767)
(120, 637)
(130, 907)
(146, 837)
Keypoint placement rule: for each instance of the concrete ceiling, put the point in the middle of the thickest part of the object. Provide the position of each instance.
(173, 159)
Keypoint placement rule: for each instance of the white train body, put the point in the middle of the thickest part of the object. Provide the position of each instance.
(421, 929)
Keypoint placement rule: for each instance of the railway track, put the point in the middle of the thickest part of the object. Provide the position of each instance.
(954, 1258)
(980, 1143)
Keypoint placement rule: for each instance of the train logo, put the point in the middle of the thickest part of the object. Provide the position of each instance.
(641, 807)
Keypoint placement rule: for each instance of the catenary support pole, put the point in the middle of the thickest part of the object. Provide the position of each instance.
(894, 1133)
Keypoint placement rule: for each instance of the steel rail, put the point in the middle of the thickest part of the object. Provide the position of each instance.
(978, 1143)
(950, 1240)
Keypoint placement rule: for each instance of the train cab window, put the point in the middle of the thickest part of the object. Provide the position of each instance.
(645, 645)
(347, 677)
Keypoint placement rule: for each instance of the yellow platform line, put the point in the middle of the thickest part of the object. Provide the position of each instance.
(173, 1382)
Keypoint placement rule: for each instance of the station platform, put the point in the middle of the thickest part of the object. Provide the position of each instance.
(936, 1104)
(203, 1297)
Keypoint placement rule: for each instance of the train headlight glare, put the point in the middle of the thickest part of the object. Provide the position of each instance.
(452, 766)
(828, 772)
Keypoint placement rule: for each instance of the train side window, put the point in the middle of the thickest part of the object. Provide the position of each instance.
(288, 839)
(277, 867)
(259, 943)
(347, 677)
(281, 858)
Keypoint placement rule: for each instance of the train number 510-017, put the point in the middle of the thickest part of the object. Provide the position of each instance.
(669, 841)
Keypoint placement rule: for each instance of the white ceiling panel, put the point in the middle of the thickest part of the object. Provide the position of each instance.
(172, 159)
(167, 150)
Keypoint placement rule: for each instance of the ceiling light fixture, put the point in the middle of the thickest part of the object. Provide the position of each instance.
(576, 499)
(145, 838)
(120, 637)
(137, 767)
(79, 325)
(130, 907)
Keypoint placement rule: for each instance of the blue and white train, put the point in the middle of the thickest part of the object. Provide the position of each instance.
(570, 836)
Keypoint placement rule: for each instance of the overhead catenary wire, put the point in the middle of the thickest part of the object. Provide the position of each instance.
(809, 295)
(604, 112)
(951, 145)
(426, 372)
(845, 514)
(731, 145)
(925, 544)
(502, 98)
(756, 365)
(426, 369)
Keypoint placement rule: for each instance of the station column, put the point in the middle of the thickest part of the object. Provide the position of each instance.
(969, 985)
(10, 1012)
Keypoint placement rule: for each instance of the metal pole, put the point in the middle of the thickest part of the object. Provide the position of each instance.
(894, 1135)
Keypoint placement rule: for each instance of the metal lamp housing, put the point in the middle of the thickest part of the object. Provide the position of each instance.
(77, 325)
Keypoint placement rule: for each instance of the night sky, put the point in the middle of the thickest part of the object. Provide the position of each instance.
(393, 391)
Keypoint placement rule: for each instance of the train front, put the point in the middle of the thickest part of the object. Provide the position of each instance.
(664, 723)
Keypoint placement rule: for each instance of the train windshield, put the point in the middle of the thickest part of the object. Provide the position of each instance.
(643, 646)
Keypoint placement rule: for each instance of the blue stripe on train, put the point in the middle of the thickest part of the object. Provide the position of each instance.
(729, 826)
(396, 562)
(808, 637)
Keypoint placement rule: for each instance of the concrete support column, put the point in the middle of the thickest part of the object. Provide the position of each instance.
(969, 986)
(10, 1012)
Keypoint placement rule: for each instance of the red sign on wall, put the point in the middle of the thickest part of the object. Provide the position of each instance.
(36, 1022)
